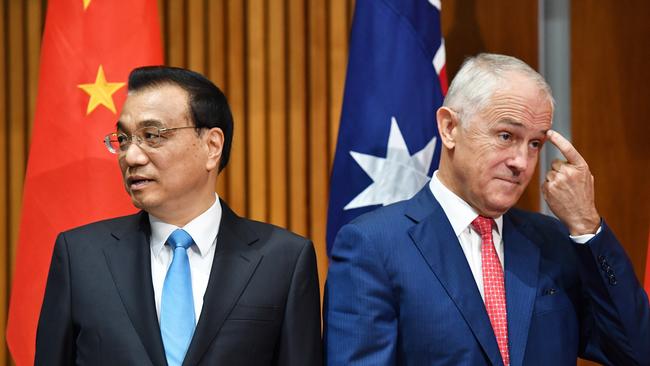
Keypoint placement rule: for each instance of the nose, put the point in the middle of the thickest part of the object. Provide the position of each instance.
(518, 161)
(134, 155)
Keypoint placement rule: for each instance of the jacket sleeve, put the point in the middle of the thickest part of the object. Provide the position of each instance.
(617, 327)
(360, 316)
(300, 338)
(54, 337)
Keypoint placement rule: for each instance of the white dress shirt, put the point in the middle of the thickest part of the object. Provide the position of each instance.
(461, 215)
(203, 229)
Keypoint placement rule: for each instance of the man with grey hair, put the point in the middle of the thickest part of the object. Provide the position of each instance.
(457, 276)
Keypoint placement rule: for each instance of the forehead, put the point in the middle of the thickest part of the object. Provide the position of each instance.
(165, 104)
(520, 101)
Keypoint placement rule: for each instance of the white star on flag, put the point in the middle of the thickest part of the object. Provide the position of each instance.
(396, 177)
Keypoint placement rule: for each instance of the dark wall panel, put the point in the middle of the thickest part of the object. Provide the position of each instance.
(610, 111)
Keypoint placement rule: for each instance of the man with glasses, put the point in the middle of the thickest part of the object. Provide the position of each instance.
(185, 281)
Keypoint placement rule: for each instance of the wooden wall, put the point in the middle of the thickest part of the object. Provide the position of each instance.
(282, 65)
(611, 112)
(610, 95)
(21, 24)
(280, 62)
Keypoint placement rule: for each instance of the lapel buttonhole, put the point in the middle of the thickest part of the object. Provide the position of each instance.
(550, 291)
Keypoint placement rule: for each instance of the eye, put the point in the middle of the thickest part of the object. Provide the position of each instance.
(122, 139)
(505, 136)
(150, 135)
(536, 144)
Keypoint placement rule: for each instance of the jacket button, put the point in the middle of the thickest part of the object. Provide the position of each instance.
(612, 280)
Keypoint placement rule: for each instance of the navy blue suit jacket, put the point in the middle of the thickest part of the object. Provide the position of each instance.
(400, 292)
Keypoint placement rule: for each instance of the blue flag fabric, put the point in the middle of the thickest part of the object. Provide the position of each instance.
(387, 145)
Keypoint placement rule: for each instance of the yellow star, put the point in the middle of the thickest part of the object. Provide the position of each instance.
(86, 3)
(101, 92)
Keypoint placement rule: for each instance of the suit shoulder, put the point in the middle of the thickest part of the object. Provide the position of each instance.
(272, 233)
(382, 215)
(106, 225)
(384, 226)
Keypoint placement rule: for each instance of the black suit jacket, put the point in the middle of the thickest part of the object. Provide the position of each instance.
(261, 305)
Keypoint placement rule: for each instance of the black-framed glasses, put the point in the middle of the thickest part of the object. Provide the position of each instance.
(150, 136)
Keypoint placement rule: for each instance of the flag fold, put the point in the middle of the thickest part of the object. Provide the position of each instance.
(87, 52)
(387, 145)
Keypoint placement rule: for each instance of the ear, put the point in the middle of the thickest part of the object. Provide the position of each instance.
(214, 143)
(448, 125)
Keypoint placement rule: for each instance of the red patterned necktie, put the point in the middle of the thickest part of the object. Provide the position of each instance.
(493, 285)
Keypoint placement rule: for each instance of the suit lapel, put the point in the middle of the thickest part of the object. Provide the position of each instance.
(129, 261)
(234, 264)
(521, 272)
(436, 240)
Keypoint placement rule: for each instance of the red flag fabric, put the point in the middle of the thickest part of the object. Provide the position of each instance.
(88, 50)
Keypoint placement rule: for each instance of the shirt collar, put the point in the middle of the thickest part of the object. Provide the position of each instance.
(203, 229)
(459, 213)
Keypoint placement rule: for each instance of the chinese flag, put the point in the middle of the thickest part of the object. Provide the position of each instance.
(88, 49)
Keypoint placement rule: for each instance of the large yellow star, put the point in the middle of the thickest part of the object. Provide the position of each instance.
(86, 3)
(101, 92)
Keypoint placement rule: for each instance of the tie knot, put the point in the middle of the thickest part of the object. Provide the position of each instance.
(483, 225)
(180, 238)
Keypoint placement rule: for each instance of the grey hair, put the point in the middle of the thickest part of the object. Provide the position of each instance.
(480, 76)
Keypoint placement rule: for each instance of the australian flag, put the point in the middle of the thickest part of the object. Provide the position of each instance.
(388, 145)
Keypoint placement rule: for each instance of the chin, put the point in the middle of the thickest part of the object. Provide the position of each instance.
(137, 204)
(493, 212)
(499, 207)
(143, 203)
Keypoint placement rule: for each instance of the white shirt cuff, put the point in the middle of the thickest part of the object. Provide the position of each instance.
(583, 239)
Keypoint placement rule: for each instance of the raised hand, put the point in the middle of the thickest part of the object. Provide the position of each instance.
(569, 189)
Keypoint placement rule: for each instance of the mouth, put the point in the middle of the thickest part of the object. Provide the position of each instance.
(137, 182)
(511, 181)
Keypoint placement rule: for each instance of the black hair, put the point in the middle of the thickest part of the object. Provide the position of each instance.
(208, 105)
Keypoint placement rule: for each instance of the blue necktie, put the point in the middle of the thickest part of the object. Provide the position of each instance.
(177, 304)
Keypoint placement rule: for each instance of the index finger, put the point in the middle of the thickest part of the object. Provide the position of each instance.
(566, 148)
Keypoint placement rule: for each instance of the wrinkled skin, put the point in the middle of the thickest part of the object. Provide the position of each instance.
(175, 181)
(489, 159)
